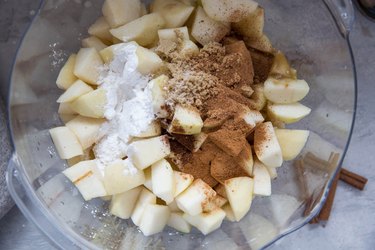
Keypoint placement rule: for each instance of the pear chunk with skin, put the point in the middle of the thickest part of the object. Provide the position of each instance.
(66, 76)
(288, 113)
(154, 219)
(145, 197)
(177, 222)
(119, 12)
(291, 142)
(266, 146)
(121, 176)
(206, 222)
(252, 25)
(186, 120)
(77, 89)
(85, 177)
(175, 13)
(182, 181)
(285, 90)
(91, 104)
(163, 181)
(144, 153)
(86, 129)
(122, 204)
(240, 194)
(205, 30)
(100, 28)
(262, 180)
(194, 199)
(88, 63)
(66, 142)
(143, 30)
(229, 10)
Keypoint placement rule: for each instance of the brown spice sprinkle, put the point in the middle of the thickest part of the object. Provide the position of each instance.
(217, 81)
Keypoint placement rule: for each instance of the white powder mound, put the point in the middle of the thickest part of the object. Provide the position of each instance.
(129, 109)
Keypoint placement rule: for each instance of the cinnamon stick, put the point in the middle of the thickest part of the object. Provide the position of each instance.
(325, 212)
(353, 179)
(300, 169)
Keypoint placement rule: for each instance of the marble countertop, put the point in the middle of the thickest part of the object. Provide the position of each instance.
(352, 223)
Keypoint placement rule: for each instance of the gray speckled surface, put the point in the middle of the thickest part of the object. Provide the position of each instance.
(352, 224)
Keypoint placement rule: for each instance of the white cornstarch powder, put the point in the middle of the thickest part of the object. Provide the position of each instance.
(129, 109)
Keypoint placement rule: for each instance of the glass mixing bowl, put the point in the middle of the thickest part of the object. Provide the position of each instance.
(312, 34)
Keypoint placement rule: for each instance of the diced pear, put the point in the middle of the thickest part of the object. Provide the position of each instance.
(229, 215)
(173, 206)
(145, 197)
(77, 89)
(261, 43)
(86, 129)
(91, 104)
(229, 10)
(206, 30)
(142, 30)
(157, 87)
(281, 68)
(177, 221)
(206, 222)
(107, 54)
(119, 12)
(258, 99)
(262, 180)
(271, 170)
(182, 181)
(285, 90)
(266, 146)
(122, 204)
(88, 63)
(100, 28)
(66, 76)
(144, 153)
(215, 203)
(66, 118)
(163, 184)
(188, 48)
(175, 13)
(153, 129)
(186, 120)
(86, 156)
(65, 109)
(220, 190)
(154, 219)
(93, 42)
(66, 143)
(194, 199)
(148, 61)
(148, 179)
(291, 142)
(245, 159)
(121, 176)
(240, 195)
(288, 113)
(173, 34)
(85, 177)
(252, 117)
(189, 2)
(252, 25)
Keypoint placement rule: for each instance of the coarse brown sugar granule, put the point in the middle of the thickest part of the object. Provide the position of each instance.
(190, 88)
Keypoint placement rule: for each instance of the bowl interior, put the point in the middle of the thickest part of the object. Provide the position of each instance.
(303, 30)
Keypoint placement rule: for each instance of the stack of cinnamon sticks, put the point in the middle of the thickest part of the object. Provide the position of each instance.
(345, 175)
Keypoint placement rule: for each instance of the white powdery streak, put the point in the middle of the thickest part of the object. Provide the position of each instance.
(129, 107)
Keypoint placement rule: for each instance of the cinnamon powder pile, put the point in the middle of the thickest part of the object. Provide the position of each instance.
(218, 82)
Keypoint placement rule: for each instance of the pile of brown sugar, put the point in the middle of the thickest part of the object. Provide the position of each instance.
(218, 81)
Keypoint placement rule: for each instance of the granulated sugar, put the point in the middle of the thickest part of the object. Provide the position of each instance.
(129, 109)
